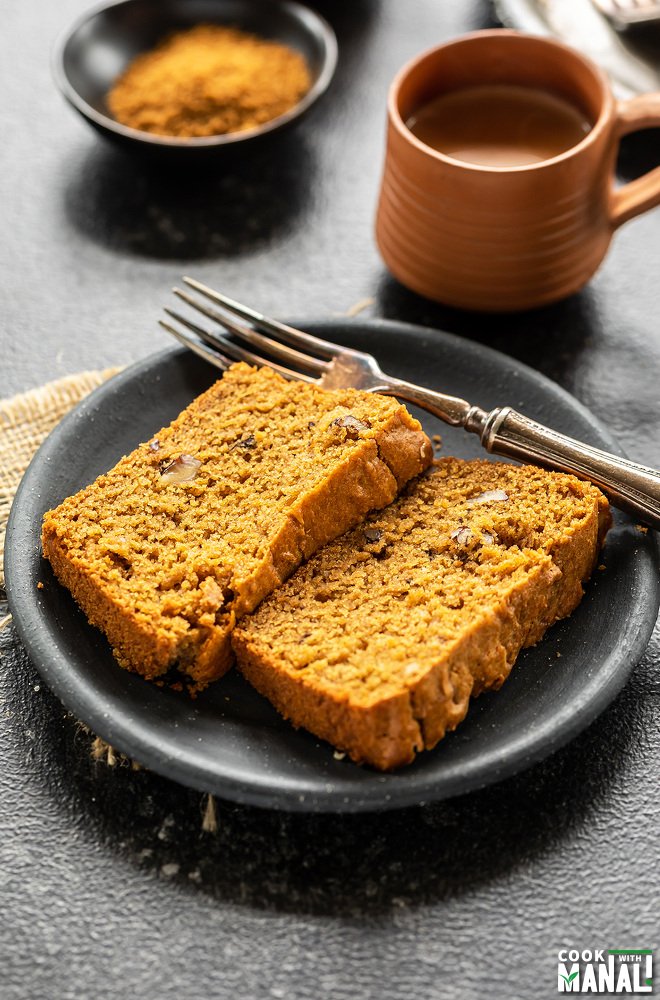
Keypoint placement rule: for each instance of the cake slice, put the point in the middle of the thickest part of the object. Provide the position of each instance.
(191, 530)
(379, 641)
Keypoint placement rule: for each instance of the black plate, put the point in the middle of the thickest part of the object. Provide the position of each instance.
(230, 741)
(104, 41)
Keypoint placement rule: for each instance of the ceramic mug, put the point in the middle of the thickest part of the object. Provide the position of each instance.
(506, 238)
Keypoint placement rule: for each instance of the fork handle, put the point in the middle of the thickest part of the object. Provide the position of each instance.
(631, 487)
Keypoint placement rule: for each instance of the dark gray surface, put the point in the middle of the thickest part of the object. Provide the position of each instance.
(467, 899)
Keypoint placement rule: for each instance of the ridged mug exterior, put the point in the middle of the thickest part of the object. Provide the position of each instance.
(498, 238)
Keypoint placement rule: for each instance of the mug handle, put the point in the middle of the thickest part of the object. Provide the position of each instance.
(643, 193)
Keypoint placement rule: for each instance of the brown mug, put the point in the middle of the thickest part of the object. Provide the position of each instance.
(515, 237)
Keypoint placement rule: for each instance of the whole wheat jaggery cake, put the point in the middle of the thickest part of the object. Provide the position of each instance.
(192, 529)
(379, 641)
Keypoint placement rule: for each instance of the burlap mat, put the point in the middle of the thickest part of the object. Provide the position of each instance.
(25, 420)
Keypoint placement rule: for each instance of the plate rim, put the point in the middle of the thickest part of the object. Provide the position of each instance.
(385, 791)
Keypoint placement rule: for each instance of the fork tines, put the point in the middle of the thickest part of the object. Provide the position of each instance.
(264, 342)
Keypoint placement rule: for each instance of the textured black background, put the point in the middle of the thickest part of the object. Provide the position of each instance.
(108, 885)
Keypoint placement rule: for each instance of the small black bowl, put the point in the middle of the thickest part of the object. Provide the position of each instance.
(101, 44)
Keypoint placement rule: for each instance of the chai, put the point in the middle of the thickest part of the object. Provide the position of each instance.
(500, 125)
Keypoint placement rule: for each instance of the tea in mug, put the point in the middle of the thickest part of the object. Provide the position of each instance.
(500, 125)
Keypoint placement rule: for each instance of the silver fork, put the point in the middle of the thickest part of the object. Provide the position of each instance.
(626, 12)
(297, 355)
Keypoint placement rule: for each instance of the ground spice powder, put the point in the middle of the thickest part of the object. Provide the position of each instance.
(209, 80)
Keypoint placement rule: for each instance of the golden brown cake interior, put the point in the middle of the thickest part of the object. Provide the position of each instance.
(197, 525)
(379, 641)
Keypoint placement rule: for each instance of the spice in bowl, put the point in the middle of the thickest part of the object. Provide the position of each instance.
(209, 80)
